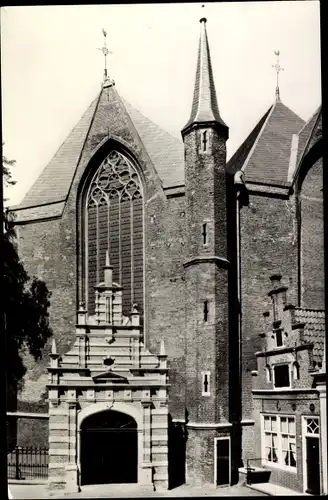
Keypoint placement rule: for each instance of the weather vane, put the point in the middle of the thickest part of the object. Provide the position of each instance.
(278, 68)
(105, 51)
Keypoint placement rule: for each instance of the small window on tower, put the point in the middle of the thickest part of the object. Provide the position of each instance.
(279, 341)
(205, 312)
(204, 233)
(296, 371)
(204, 141)
(206, 384)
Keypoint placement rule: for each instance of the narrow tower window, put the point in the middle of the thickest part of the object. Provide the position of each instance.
(206, 384)
(204, 233)
(268, 373)
(296, 371)
(279, 337)
(205, 311)
(204, 141)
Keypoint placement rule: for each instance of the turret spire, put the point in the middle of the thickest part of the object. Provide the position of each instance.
(204, 106)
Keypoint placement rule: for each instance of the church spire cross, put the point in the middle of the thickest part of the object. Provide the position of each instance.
(105, 51)
(278, 68)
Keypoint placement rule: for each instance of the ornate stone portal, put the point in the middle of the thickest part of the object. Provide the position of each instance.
(108, 370)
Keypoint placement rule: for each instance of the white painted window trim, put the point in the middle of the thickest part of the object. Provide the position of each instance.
(215, 459)
(305, 434)
(208, 392)
(278, 465)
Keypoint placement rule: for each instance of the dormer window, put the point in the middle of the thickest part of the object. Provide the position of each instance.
(281, 376)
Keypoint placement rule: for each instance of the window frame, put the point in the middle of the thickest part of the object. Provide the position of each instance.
(280, 435)
(281, 387)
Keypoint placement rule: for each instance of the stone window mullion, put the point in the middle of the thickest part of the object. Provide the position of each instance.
(132, 251)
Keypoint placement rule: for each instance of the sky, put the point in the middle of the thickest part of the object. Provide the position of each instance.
(52, 68)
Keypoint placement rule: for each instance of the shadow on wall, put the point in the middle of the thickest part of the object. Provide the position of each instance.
(176, 453)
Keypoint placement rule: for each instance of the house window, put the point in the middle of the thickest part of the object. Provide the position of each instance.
(288, 440)
(279, 338)
(281, 376)
(279, 440)
(206, 384)
(312, 426)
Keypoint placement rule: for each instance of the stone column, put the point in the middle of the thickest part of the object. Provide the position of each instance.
(146, 478)
(72, 476)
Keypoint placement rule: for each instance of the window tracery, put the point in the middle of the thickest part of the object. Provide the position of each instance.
(114, 221)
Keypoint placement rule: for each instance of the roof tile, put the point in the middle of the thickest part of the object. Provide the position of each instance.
(314, 330)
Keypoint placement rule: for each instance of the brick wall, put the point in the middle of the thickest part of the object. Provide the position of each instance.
(311, 238)
(268, 245)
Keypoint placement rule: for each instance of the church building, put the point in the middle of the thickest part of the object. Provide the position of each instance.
(187, 299)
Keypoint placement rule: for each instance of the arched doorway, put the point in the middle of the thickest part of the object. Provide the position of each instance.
(109, 448)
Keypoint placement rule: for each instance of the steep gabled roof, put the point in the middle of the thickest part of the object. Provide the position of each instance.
(165, 151)
(53, 184)
(265, 154)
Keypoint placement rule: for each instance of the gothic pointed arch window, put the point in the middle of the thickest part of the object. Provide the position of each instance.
(114, 221)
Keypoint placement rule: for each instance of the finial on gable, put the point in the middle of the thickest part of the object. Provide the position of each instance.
(162, 349)
(107, 264)
(53, 347)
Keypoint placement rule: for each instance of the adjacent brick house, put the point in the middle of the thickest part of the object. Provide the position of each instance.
(192, 240)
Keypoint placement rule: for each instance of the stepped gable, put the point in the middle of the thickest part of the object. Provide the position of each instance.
(265, 154)
(109, 346)
(53, 184)
(314, 330)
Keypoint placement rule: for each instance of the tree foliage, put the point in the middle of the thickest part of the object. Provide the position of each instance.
(25, 301)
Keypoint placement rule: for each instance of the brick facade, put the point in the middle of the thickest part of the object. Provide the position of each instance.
(211, 241)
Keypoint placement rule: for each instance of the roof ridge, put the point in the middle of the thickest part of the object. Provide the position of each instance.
(308, 121)
(270, 111)
(307, 141)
